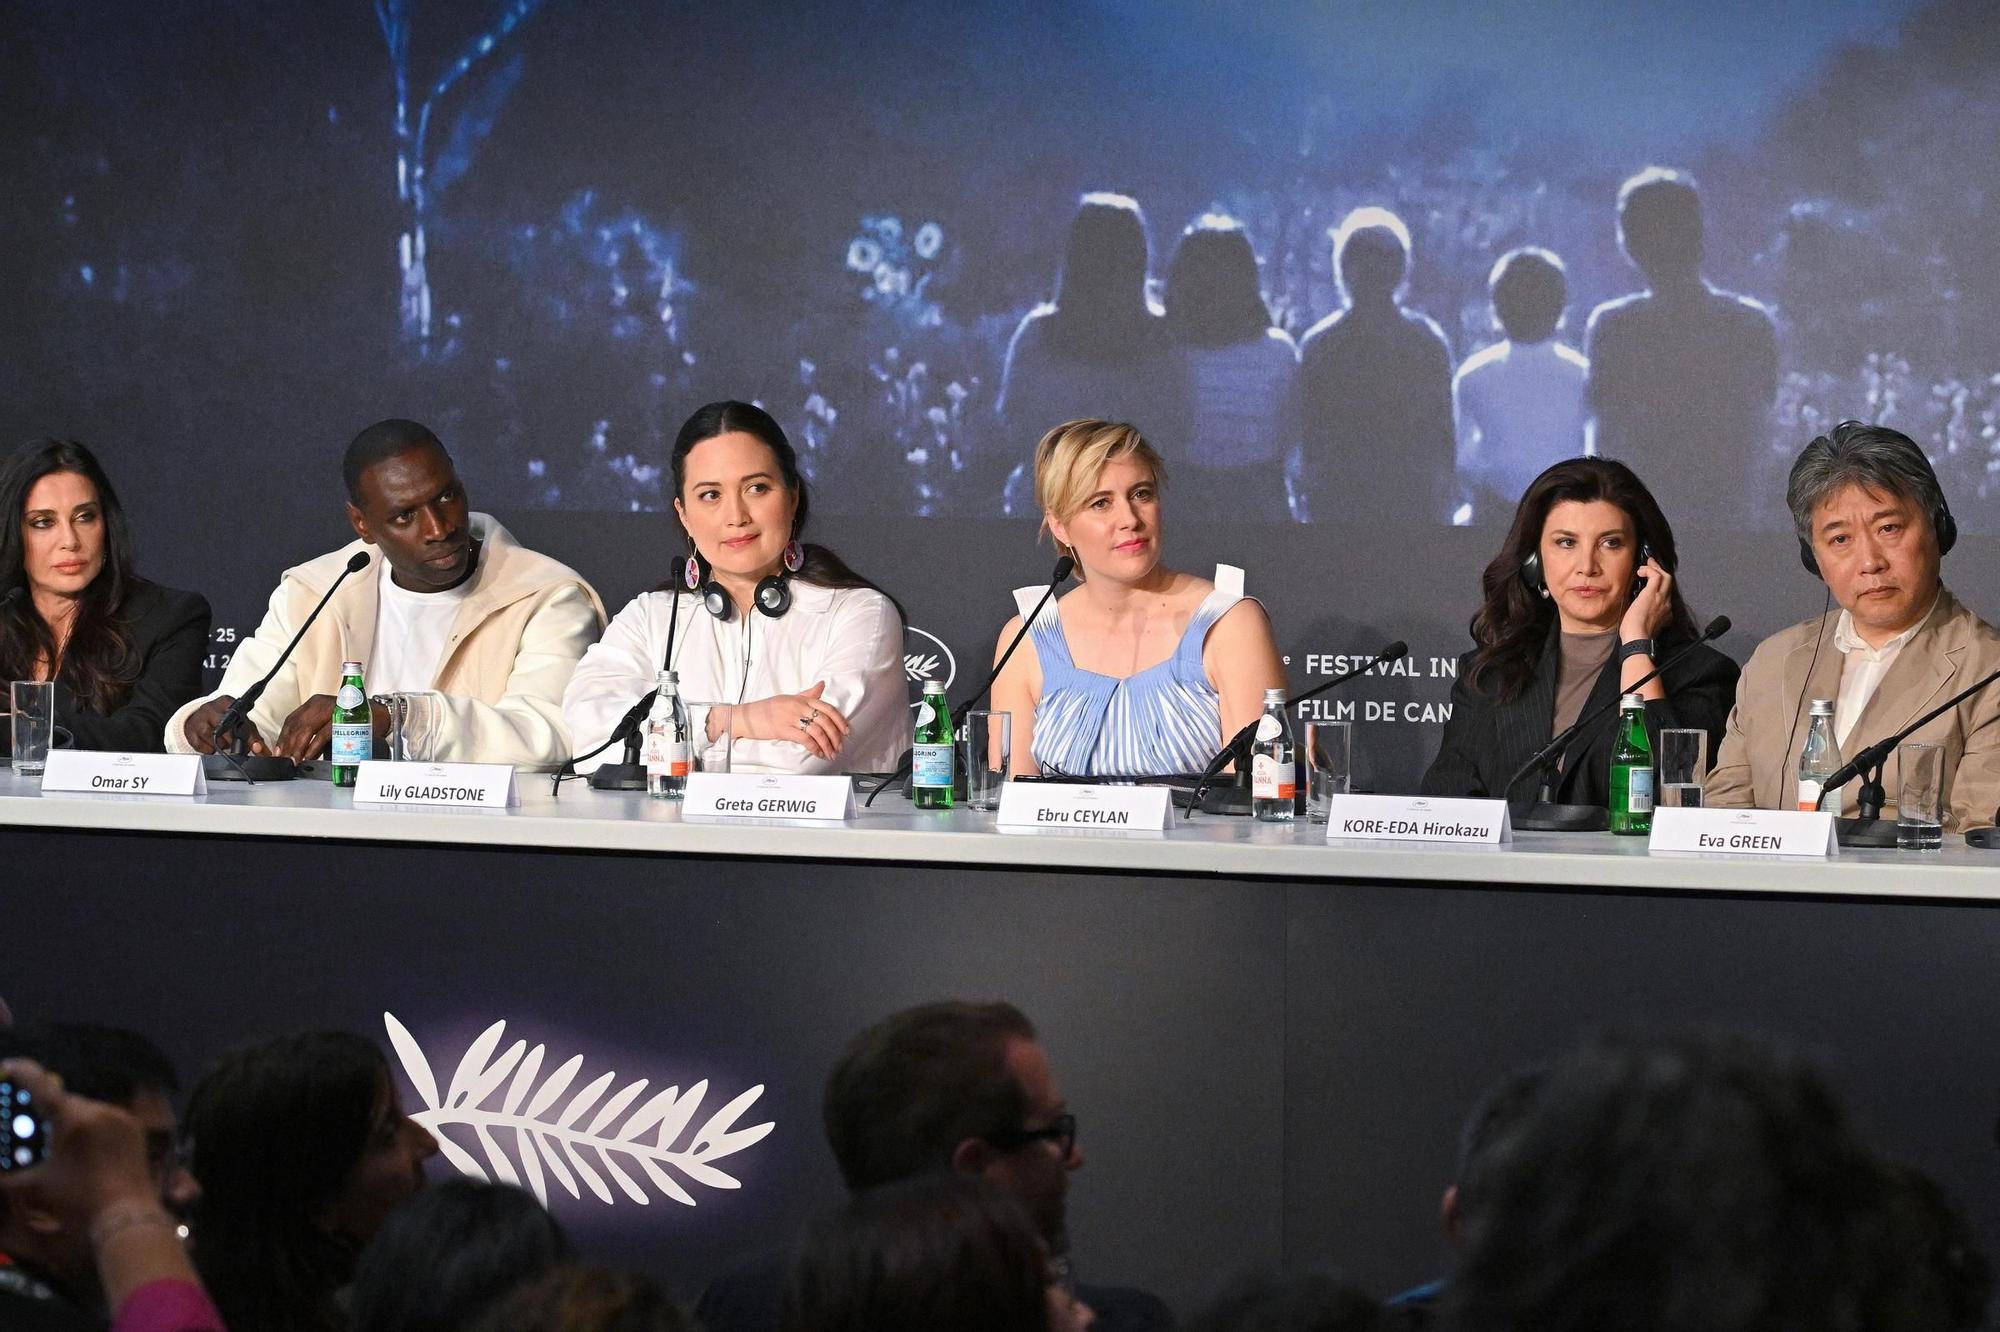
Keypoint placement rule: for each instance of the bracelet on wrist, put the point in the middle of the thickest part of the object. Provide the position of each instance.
(1638, 647)
(126, 1216)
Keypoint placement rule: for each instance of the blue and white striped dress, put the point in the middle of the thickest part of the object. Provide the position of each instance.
(1166, 719)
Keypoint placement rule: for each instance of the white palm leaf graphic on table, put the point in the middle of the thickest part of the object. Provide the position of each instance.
(550, 1135)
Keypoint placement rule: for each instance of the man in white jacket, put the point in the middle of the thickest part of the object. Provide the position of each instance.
(453, 604)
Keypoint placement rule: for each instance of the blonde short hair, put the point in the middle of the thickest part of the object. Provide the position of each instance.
(1070, 457)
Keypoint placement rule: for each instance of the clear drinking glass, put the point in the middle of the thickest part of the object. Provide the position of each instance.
(1920, 799)
(710, 723)
(1329, 765)
(414, 721)
(34, 704)
(986, 747)
(1683, 765)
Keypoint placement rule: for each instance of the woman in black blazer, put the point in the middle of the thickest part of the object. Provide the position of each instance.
(1580, 603)
(124, 653)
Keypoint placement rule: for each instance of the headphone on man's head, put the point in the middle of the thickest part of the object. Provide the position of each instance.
(772, 597)
(1942, 523)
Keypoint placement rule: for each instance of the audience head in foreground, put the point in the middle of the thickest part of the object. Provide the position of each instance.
(302, 1150)
(586, 1299)
(451, 1252)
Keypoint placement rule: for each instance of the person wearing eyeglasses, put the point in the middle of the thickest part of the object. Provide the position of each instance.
(948, 1086)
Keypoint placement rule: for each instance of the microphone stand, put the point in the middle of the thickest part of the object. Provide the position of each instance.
(1235, 797)
(1064, 567)
(629, 773)
(1868, 827)
(1549, 816)
(232, 760)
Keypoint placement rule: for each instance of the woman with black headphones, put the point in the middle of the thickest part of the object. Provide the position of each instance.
(1581, 603)
(805, 654)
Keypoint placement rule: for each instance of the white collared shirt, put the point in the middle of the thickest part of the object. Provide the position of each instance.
(1863, 668)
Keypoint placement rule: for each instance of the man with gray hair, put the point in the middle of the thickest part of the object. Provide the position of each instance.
(1873, 524)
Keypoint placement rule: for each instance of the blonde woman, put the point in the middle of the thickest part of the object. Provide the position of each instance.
(1141, 670)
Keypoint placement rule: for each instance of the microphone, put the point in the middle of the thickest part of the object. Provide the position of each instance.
(1065, 566)
(270, 767)
(1863, 830)
(1547, 815)
(1238, 747)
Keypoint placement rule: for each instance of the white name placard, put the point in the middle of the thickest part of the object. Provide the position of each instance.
(89, 771)
(1058, 805)
(768, 795)
(469, 785)
(1744, 832)
(1381, 818)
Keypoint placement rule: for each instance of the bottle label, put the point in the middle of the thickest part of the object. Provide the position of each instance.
(1269, 727)
(1639, 791)
(926, 713)
(930, 765)
(1271, 779)
(665, 756)
(349, 698)
(353, 742)
(1809, 793)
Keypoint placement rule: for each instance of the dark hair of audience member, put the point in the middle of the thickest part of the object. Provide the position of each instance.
(1511, 628)
(111, 1064)
(1502, 1107)
(1529, 290)
(585, 1299)
(942, 1251)
(1101, 306)
(1214, 298)
(97, 663)
(1265, 1302)
(1698, 1182)
(380, 442)
(451, 1252)
(1928, 1234)
(912, 1087)
(275, 1130)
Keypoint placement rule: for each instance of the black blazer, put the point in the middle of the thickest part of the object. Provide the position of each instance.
(1488, 739)
(169, 631)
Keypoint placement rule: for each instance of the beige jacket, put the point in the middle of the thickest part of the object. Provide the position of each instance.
(1758, 763)
(522, 627)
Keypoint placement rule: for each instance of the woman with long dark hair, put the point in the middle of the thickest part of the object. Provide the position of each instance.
(804, 654)
(124, 653)
(1240, 370)
(1100, 347)
(302, 1150)
(1581, 602)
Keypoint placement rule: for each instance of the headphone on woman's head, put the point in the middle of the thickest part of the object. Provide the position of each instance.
(1538, 582)
(772, 597)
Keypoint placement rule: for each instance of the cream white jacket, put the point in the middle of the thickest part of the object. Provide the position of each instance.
(850, 638)
(523, 624)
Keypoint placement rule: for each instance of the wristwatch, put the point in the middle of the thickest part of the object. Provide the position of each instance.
(1638, 647)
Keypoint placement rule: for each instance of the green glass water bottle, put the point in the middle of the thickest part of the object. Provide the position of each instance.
(353, 725)
(1632, 771)
(931, 751)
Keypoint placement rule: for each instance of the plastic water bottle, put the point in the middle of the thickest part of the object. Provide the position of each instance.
(1820, 755)
(1632, 771)
(669, 747)
(1274, 763)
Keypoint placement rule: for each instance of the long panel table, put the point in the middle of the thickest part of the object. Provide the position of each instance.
(1269, 1041)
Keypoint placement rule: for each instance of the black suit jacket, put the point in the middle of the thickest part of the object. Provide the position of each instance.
(169, 632)
(1488, 739)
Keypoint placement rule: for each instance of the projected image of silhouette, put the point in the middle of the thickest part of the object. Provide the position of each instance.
(1374, 389)
(1683, 374)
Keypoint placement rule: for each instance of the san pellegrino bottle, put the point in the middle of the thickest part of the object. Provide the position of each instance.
(1632, 770)
(931, 751)
(669, 747)
(1274, 763)
(1819, 756)
(353, 725)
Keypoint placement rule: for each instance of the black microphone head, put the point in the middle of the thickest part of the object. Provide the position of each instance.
(1717, 627)
(1064, 568)
(1396, 649)
(358, 561)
